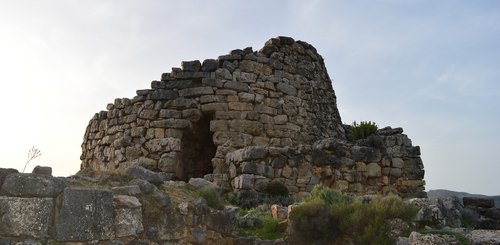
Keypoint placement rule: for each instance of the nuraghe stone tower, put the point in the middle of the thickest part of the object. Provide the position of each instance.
(248, 118)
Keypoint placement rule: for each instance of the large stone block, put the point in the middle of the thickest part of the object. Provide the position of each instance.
(25, 217)
(4, 172)
(128, 216)
(373, 170)
(84, 214)
(32, 185)
(145, 174)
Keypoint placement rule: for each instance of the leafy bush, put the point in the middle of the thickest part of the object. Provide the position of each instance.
(327, 214)
(330, 196)
(315, 220)
(212, 196)
(363, 130)
(370, 223)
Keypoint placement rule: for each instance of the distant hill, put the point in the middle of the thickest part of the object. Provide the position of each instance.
(447, 193)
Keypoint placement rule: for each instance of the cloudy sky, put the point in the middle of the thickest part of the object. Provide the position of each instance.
(431, 67)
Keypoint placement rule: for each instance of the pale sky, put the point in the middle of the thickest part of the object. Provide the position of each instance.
(431, 67)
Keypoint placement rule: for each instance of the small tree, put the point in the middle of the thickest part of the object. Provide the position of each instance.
(32, 154)
(363, 130)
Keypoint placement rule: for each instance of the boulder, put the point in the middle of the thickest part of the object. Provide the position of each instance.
(42, 170)
(4, 172)
(32, 185)
(201, 183)
(126, 190)
(84, 214)
(128, 216)
(25, 217)
(430, 239)
(145, 174)
(439, 212)
(221, 222)
(480, 202)
(484, 236)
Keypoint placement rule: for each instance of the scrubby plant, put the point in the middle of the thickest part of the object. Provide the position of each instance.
(32, 154)
(212, 196)
(330, 196)
(328, 214)
(370, 222)
(314, 219)
(363, 130)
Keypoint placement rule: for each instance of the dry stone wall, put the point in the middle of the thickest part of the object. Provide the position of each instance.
(42, 209)
(245, 119)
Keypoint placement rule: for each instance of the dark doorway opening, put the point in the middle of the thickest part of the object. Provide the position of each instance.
(198, 149)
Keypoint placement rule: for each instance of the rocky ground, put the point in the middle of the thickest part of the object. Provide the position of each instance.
(140, 207)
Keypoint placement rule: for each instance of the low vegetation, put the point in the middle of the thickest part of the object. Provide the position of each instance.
(363, 130)
(258, 222)
(328, 215)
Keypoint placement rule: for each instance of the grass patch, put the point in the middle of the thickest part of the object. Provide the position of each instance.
(268, 229)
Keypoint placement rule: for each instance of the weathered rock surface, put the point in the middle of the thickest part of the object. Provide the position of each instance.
(6, 171)
(484, 237)
(128, 216)
(32, 185)
(430, 239)
(481, 213)
(439, 212)
(25, 217)
(42, 170)
(84, 215)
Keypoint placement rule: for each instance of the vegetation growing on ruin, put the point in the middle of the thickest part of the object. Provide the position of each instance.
(327, 215)
(363, 129)
(258, 222)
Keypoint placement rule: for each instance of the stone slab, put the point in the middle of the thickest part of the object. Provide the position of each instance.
(84, 214)
(32, 185)
(25, 217)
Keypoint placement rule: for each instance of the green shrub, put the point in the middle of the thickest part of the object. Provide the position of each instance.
(327, 214)
(370, 223)
(328, 195)
(212, 196)
(315, 220)
(270, 228)
(363, 130)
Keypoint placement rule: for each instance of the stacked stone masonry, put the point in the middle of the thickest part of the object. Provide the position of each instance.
(248, 118)
(42, 209)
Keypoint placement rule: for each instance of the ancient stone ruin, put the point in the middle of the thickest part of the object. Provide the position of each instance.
(238, 122)
(246, 119)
